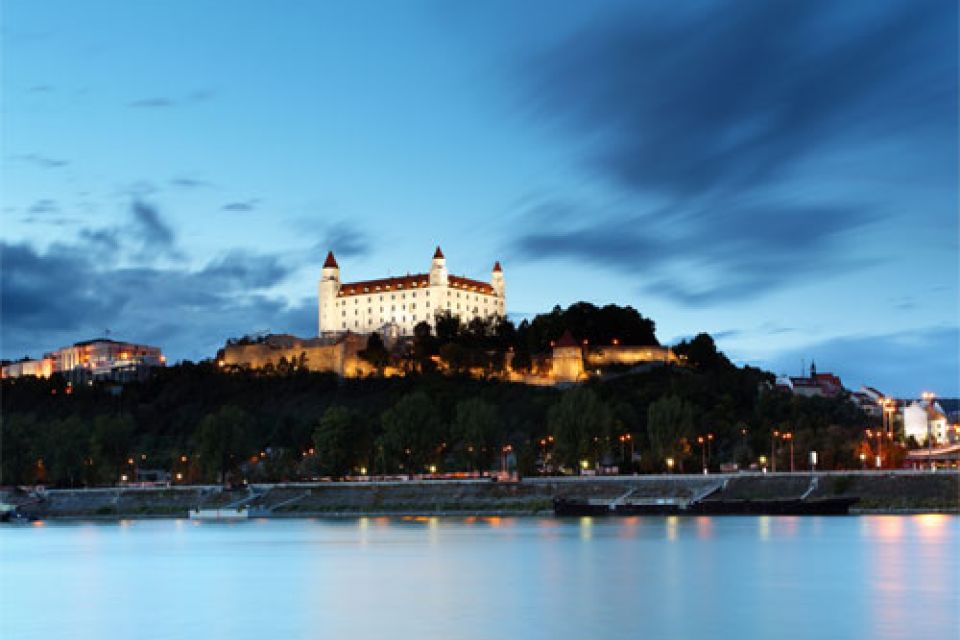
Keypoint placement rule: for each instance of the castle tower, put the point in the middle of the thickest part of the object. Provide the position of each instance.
(328, 288)
(496, 280)
(438, 269)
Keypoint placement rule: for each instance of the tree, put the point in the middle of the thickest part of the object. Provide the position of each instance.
(475, 429)
(376, 353)
(669, 424)
(111, 442)
(411, 432)
(224, 438)
(335, 441)
(18, 449)
(702, 353)
(68, 450)
(580, 423)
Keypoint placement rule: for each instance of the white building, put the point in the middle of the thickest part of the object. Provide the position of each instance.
(98, 359)
(400, 303)
(921, 416)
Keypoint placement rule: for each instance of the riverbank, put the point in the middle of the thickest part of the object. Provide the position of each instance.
(876, 492)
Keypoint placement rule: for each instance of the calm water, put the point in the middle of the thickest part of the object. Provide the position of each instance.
(764, 577)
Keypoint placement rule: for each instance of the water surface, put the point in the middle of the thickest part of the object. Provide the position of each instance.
(444, 578)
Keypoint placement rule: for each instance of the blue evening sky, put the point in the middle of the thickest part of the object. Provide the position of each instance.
(782, 175)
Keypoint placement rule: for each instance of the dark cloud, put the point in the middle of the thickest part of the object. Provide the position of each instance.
(70, 292)
(103, 241)
(242, 206)
(42, 161)
(345, 240)
(706, 119)
(903, 363)
(739, 253)
(152, 103)
(731, 95)
(156, 233)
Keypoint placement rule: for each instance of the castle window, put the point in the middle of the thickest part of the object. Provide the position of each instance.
(344, 313)
(344, 325)
(428, 304)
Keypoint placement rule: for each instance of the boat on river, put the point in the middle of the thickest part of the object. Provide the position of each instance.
(713, 506)
(219, 514)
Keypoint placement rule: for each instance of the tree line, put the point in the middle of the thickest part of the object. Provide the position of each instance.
(202, 424)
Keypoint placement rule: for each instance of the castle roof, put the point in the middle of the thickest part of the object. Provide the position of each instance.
(415, 281)
(438, 253)
(496, 267)
(330, 261)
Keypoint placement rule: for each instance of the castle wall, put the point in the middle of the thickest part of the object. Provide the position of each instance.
(340, 357)
(628, 355)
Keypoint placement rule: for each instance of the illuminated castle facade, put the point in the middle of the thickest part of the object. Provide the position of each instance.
(398, 304)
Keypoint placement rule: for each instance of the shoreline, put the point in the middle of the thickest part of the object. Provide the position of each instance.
(877, 493)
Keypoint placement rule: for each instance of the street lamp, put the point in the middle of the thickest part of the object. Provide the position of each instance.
(670, 465)
(703, 455)
(773, 453)
(789, 436)
(929, 397)
(763, 463)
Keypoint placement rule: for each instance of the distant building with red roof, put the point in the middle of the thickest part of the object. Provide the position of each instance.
(397, 304)
(824, 385)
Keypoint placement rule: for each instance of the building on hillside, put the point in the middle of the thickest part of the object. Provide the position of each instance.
(567, 361)
(871, 401)
(98, 359)
(570, 361)
(337, 354)
(824, 385)
(403, 302)
(923, 418)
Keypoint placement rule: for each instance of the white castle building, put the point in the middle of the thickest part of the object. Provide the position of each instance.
(398, 304)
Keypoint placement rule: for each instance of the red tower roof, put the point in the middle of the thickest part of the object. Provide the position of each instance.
(330, 261)
(497, 268)
(437, 253)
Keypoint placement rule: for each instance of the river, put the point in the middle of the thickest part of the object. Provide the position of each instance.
(451, 578)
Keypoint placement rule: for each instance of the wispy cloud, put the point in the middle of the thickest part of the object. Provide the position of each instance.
(706, 122)
(39, 160)
(190, 183)
(242, 206)
(151, 103)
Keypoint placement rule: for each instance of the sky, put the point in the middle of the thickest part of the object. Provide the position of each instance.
(782, 175)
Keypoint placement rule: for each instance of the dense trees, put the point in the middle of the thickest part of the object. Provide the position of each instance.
(669, 427)
(224, 440)
(581, 425)
(205, 423)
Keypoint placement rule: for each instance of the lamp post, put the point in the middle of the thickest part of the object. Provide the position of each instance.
(789, 436)
(929, 397)
(773, 452)
(763, 463)
(669, 465)
(703, 455)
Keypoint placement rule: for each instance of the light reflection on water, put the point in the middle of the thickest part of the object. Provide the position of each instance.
(744, 577)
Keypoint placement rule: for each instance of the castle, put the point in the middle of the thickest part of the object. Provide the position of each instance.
(396, 305)
(392, 307)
